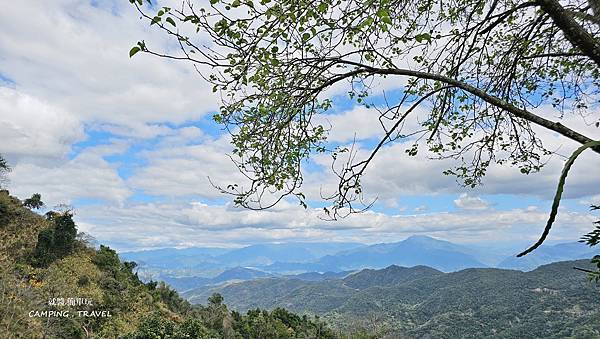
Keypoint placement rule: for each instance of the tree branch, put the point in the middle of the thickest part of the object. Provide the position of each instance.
(573, 31)
(493, 100)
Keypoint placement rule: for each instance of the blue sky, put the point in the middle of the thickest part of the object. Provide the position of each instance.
(130, 144)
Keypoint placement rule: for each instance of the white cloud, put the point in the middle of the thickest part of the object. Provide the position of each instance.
(184, 170)
(358, 123)
(75, 55)
(31, 127)
(86, 176)
(392, 173)
(467, 202)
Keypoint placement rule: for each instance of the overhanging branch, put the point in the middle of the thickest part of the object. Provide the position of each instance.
(491, 99)
(573, 31)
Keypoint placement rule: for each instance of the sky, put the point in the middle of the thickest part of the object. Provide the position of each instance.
(130, 144)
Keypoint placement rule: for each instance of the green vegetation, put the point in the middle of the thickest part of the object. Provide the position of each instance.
(55, 242)
(47, 270)
(593, 238)
(4, 169)
(35, 202)
(553, 301)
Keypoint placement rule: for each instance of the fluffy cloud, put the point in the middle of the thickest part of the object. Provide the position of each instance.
(31, 127)
(87, 176)
(178, 170)
(392, 173)
(467, 202)
(358, 123)
(75, 54)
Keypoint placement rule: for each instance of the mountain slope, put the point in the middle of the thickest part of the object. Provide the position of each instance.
(302, 295)
(70, 269)
(392, 275)
(553, 301)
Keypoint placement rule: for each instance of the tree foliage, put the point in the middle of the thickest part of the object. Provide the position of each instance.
(592, 239)
(35, 202)
(481, 69)
(57, 241)
(4, 169)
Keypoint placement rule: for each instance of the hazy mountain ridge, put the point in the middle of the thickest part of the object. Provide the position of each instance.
(233, 274)
(210, 262)
(188, 268)
(415, 250)
(237, 274)
(547, 254)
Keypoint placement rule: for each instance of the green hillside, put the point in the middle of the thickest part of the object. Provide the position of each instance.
(54, 285)
(553, 301)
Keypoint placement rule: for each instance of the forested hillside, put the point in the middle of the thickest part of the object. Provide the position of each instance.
(55, 285)
(553, 301)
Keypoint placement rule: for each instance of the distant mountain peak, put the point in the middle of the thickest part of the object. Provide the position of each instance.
(422, 238)
(240, 272)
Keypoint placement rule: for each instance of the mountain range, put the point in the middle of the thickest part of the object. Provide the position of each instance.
(189, 268)
(552, 301)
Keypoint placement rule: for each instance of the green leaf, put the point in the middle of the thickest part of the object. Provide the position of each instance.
(155, 20)
(134, 50)
(382, 13)
(367, 22)
(171, 21)
(422, 37)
